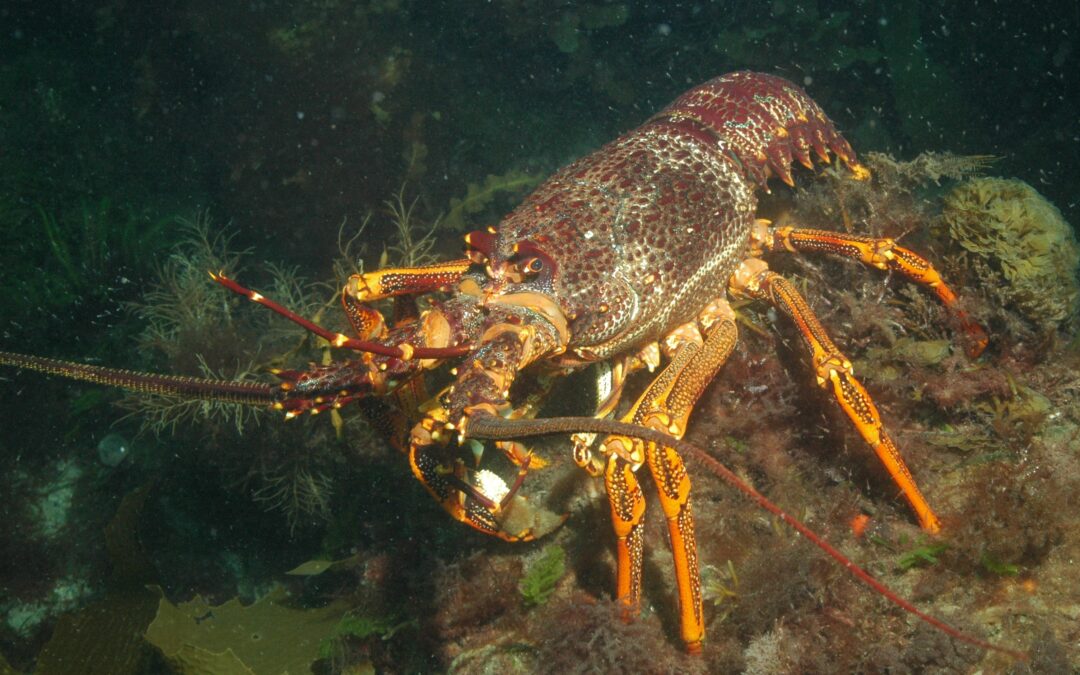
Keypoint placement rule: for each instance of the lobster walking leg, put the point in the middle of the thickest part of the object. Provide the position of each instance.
(465, 502)
(610, 385)
(395, 281)
(755, 280)
(882, 253)
(509, 344)
(368, 322)
(666, 406)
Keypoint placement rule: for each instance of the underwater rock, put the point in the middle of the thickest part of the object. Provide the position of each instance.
(113, 449)
(1024, 237)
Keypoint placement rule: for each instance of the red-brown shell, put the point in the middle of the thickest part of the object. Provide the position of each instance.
(646, 230)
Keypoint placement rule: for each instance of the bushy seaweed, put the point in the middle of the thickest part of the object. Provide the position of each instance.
(541, 576)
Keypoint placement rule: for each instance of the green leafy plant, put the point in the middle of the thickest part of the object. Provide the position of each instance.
(542, 576)
(926, 554)
(720, 586)
(481, 195)
(360, 627)
(995, 566)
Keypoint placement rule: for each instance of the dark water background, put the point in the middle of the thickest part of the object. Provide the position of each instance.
(287, 118)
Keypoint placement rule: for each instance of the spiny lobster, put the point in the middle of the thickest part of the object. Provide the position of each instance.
(626, 256)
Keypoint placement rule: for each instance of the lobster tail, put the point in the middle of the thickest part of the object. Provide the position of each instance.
(250, 393)
(762, 121)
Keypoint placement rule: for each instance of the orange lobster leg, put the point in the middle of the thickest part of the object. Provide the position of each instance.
(367, 322)
(755, 280)
(882, 253)
(666, 406)
(394, 281)
(610, 384)
(627, 511)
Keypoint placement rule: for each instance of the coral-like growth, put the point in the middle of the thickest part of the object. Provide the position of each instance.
(414, 241)
(583, 635)
(476, 599)
(199, 330)
(192, 326)
(1022, 238)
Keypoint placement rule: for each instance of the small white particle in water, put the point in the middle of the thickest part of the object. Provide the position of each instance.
(664, 29)
(299, 114)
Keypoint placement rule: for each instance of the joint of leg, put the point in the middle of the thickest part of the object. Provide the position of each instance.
(519, 454)
(358, 287)
(648, 358)
(761, 237)
(716, 311)
(583, 455)
(783, 235)
(631, 451)
(422, 435)
(880, 254)
(661, 421)
(831, 365)
(687, 333)
(748, 278)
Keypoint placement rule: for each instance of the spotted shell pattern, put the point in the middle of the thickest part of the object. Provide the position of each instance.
(646, 230)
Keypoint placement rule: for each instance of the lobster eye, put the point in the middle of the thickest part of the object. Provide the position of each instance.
(535, 265)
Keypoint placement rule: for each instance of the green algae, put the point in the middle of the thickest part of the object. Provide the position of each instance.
(268, 636)
(542, 575)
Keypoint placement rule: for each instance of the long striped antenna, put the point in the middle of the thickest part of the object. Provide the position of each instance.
(250, 393)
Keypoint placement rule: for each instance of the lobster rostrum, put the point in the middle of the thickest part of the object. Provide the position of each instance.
(627, 257)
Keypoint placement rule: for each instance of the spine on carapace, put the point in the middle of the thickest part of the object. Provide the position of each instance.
(762, 121)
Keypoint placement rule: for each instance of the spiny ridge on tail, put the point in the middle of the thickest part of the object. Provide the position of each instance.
(764, 121)
(252, 393)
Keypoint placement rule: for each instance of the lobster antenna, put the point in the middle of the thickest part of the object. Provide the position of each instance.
(490, 427)
(404, 352)
(250, 393)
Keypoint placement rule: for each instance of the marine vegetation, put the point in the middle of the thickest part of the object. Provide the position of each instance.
(563, 284)
(1026, 253)
(541, 576)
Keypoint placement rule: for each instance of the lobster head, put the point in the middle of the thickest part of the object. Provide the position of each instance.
(505, 307)
(540, 288)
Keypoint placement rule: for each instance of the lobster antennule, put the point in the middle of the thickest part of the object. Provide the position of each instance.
(497, 428)
(250, 393)
(404, 351)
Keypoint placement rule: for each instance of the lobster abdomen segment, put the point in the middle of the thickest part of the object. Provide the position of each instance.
(762, 121)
